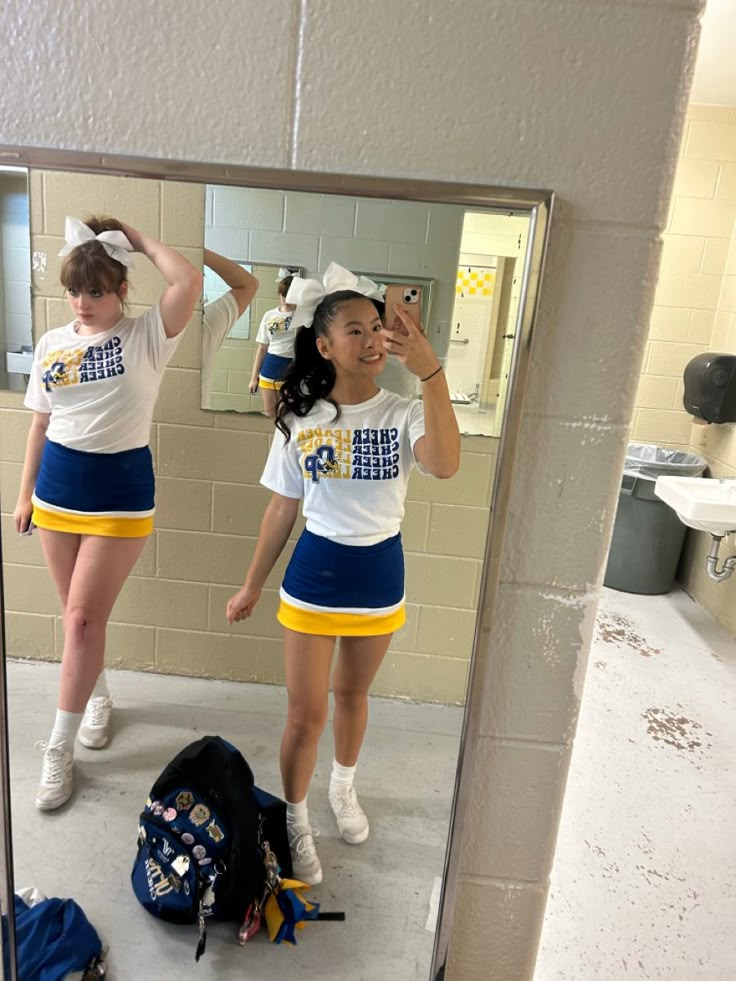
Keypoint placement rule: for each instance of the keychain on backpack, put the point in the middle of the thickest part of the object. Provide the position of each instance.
(206, 902)
(202, 937)
(251, 924)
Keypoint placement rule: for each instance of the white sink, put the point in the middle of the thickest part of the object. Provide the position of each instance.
(701, 503)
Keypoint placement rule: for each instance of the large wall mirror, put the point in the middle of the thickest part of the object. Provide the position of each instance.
(177, 669)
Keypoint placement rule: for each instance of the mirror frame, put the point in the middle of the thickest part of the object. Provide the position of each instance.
(8, 961)
(538, 206)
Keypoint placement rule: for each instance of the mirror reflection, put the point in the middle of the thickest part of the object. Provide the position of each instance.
(177, 670)
(465, 265)
(246, 318)
(15, 279)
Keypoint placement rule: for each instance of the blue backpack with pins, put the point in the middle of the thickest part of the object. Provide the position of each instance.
(203, 836)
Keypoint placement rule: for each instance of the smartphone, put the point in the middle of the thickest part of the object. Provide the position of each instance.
(29, 529)
(409, 298)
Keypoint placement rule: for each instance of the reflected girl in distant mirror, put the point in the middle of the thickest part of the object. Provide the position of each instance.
(346, 448)
(275, 349)
(87, 481)
(219, 316)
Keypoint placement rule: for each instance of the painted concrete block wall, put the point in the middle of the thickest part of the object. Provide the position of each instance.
(701, 218)
(210, 502)
(577, 91)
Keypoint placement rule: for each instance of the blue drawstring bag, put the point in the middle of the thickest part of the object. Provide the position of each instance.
(53, 938)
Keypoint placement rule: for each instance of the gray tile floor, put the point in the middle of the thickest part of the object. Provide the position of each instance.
(643, 881)
(86, 849)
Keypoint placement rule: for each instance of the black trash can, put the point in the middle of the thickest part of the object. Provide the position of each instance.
(647, 535)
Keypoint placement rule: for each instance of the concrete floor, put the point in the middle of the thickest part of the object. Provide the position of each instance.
(86, 849)
(643, 882)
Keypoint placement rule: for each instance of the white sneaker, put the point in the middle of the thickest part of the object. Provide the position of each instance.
(94, 732)
(57, 782)
(350, 816)
(304, 858)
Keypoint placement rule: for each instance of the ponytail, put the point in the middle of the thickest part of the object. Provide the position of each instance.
(311, 377)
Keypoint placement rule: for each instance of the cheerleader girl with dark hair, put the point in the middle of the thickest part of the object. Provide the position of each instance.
(345, 448)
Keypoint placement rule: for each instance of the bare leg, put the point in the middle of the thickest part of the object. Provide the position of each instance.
(307, 659)
(60, 551)
(357, 664)
(89, 572)
(102, 566)
(269, 401)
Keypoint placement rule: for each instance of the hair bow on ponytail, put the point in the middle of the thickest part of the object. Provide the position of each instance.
(307, 294)
(116, 244)
(284, 271)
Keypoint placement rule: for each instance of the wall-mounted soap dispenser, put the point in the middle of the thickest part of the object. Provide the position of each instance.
(710, 387)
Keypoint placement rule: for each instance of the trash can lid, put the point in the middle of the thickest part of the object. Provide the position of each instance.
(650, 461)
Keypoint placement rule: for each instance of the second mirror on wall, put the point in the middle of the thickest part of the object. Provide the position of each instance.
(466, 266)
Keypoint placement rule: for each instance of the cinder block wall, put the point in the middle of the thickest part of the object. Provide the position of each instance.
(694, 252)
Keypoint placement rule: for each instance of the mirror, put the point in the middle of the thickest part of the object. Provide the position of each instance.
(467, 265)
(16, 342)
(176, 670)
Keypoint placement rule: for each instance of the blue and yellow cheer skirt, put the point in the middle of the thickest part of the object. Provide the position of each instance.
(273, 370)
(343, 590)
(107, 494)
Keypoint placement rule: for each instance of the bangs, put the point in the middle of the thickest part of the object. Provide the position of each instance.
(85, 270)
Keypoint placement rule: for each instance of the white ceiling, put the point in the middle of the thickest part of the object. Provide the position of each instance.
(715, 68)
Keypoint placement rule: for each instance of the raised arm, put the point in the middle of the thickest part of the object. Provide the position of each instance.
(184, 279)
(438, 451)
(278, 520)
(243, 285)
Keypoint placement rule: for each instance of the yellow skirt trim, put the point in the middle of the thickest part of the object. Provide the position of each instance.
(107, 526)
(328, 624)
(269, 383)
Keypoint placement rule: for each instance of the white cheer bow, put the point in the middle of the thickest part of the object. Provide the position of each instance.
(116, 244)
(307, 294)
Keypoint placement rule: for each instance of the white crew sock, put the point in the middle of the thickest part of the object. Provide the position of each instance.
(101, 689)
(342, 776)
(66, 726)
(297, 815)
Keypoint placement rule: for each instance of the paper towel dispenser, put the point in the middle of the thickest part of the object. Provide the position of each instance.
(710, 387)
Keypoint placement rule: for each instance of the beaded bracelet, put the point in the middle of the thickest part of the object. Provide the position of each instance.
(435, 372)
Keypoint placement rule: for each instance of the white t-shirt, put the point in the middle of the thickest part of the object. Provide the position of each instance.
(217, 320)
(277, 331)
(101, 389)
(352, 472)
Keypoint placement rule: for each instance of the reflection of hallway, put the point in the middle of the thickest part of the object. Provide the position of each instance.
(86, 849)
(643, 881)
